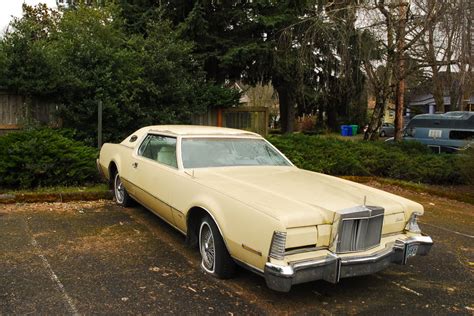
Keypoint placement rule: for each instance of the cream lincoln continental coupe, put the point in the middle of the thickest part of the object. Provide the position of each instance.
(243, 202)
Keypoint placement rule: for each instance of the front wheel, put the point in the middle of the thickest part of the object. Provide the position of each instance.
(121, 196)
(215, 257)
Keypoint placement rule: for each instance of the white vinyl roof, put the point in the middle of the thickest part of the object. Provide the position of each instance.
(197, 130)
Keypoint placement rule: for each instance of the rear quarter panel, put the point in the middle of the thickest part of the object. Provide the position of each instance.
(118, 154)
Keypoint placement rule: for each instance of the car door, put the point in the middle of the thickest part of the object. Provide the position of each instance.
(154, 165)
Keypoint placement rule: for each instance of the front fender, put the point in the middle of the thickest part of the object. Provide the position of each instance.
(247, 232)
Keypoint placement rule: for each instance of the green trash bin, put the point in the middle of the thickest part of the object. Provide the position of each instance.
(354, 129)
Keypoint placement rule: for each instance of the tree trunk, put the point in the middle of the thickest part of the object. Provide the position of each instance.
(287, 109)
(438, 94)
(320, 113)
(400, 103)
(399, 107)
(331, 117)
(465, 59)
(373, 129)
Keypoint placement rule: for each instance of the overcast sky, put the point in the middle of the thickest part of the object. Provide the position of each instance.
(13, 7)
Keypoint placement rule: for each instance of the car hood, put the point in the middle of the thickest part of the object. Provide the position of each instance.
(295, 196)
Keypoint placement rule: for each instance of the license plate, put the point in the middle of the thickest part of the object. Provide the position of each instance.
(411, 250)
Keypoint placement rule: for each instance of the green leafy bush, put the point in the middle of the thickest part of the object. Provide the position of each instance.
(44, 157)
(465, 163)
(409, 161)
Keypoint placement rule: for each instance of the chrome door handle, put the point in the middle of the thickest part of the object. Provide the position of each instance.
(135, 164)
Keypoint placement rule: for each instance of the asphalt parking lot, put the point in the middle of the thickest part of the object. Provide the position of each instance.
(95, 257)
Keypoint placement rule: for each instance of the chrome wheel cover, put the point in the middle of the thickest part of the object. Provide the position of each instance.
(119, 189)
(207, 247)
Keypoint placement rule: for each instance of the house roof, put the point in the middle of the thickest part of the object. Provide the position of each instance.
(428, 99)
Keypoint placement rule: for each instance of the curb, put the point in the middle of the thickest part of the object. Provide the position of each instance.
(54, 197)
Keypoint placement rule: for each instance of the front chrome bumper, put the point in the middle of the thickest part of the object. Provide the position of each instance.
(333, 267)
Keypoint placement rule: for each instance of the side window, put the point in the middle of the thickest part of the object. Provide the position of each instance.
(159, 148)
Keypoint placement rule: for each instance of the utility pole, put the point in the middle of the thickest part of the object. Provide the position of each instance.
(403, 8)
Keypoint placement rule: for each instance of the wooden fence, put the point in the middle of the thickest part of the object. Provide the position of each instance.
(15, 111)
(254, 119)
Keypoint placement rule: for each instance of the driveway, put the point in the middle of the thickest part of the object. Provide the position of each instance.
(95, 257)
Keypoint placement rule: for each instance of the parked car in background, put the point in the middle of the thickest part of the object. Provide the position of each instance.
(241, 201)
(387, 130)
(446, 132)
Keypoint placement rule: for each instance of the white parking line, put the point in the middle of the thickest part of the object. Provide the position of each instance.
(72, 308)
(403, 287)
(448, 230)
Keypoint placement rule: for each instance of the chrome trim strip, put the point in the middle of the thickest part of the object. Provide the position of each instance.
(256, 252)
(298, 265)
(283, 271)
(371, 258)
(363, 217)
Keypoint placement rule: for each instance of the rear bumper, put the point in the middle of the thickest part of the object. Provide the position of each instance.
(333, 267)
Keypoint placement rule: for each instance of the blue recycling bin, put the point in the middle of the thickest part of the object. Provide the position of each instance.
(346, 130)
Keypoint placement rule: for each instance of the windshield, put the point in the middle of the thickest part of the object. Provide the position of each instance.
(220, 152)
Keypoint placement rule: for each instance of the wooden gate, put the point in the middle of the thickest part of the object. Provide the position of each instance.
(254, 119)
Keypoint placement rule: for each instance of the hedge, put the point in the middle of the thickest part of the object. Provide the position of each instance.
(45, 157)
(409, 161)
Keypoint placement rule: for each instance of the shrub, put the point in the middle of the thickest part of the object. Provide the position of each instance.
(44, 157)
(409, 161)
(465, 163)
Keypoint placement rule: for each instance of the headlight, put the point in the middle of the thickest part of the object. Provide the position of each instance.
(301, 237)
(412, 225)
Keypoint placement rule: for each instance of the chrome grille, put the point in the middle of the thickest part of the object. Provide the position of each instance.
(360, 230)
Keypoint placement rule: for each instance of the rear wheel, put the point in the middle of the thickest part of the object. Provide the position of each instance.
(215, 258)
(121, 196)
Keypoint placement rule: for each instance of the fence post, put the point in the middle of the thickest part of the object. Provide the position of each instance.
(99, 125)
(267, 120)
